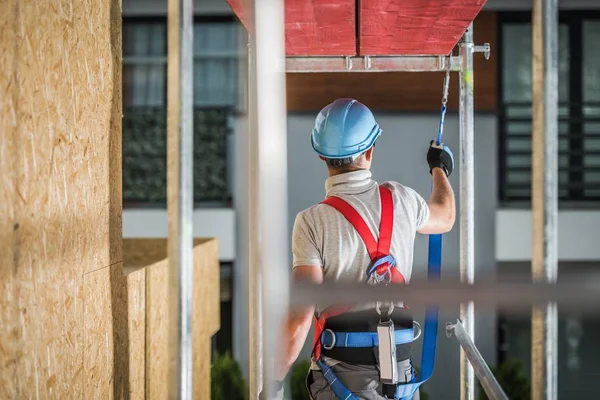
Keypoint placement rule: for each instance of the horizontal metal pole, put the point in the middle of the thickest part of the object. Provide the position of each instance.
(488, 381)
(372, 64)
(579, 296)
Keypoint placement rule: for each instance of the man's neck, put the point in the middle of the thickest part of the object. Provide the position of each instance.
(334, 172)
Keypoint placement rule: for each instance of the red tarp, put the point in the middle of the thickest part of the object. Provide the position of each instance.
(385, 27)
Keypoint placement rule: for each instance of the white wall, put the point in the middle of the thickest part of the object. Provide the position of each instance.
(578, 235)
(216, 222)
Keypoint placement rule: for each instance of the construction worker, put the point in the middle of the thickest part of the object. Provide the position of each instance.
(361, 232)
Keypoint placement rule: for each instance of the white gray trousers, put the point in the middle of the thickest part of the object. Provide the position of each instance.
(361, 380)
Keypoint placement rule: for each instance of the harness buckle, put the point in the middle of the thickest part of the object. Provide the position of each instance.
(332, 340)
(385, 313)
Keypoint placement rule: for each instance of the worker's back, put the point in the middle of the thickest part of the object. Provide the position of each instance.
(323, 236)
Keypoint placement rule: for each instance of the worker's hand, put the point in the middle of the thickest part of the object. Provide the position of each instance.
(440, 157)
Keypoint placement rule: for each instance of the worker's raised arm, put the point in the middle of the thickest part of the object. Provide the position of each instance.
(442, 207)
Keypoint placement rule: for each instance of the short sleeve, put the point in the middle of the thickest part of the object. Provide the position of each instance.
(304, 244)
(420, 207)
(414, 205)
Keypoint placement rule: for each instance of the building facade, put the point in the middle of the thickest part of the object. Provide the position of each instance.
(407, 107)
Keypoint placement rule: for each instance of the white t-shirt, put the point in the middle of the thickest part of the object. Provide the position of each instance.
(322, 235)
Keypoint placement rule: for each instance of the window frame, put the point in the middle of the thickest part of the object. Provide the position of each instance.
(198, 19)
(576, 195)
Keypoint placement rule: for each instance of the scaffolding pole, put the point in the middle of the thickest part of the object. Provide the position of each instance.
(544, 195)
(268, 49)
(180, 196)
(467, 203)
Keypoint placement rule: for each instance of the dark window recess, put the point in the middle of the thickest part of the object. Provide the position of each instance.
(579, 107)
(145, 156)
(216, 95)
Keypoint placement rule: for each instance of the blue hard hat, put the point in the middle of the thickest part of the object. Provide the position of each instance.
(343, 129)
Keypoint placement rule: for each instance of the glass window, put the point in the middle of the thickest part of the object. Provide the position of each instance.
(144, 64)
(216, 50)
(144, 100)
(591, 108)
(516, 105)
(579, 107)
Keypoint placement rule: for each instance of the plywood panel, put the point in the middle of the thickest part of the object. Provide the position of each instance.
(114, 334)
(399, 91)
(314, 27)
(60, 205)
(320, 27)
(136, 303)
(416, 27)
(99, 341)
(206, 313)
(9, 321)
(157, 338)
(206, 317)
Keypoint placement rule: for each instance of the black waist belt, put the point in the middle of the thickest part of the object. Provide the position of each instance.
(366, 321)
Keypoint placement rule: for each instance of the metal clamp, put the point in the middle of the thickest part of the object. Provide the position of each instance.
(348, 60)
(332, 340)
(450, 328)
(485, 49)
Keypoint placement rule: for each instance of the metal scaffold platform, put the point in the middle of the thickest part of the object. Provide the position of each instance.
(288, 37)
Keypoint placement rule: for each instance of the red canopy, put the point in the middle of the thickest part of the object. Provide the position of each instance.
(385, 27)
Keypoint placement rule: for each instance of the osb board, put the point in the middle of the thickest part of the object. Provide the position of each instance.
(207, 311)
(114, 334)
(206, 320)
(99, 353)
(9, 313)
(60, 208)
(400, 91)
(136, 306)
(157, 338)
(141, 252)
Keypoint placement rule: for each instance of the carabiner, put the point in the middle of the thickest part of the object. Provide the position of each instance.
(446, 88)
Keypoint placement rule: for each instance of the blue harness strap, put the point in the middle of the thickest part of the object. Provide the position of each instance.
(434, 269)
(340, 390)
(330, 339)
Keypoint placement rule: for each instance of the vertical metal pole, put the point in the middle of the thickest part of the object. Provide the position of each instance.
(544, 195)
(243, 201)
(180, 196)
(467, 204)
(253, 306)
(273, 257)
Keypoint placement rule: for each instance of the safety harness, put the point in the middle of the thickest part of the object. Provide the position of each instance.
(382, 269)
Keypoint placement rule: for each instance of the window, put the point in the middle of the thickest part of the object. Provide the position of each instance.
(216, 58)
(216, 83)
(579, 107)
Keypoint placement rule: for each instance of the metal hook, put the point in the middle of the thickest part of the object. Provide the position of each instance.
(446, 88)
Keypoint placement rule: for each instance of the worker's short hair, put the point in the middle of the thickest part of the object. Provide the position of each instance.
(341, 162)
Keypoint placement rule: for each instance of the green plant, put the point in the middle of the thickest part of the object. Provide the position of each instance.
(512, 379)
(226, 380)
(297, 380)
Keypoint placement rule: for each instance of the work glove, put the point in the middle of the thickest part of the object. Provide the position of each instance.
(276, 390)
(440, 157)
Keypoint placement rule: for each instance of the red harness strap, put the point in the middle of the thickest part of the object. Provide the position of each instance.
(376, 249)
